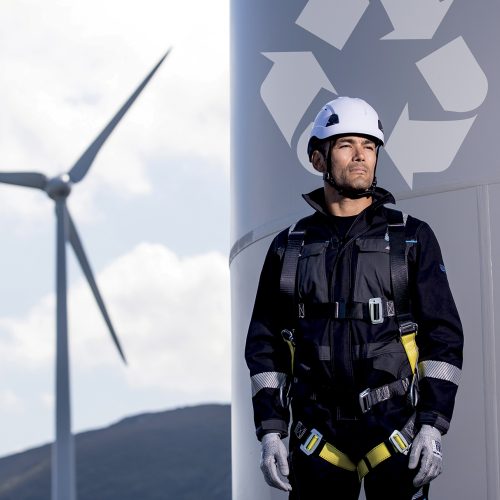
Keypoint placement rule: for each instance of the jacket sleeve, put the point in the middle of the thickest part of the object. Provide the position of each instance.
(440, 336)
(267, 354)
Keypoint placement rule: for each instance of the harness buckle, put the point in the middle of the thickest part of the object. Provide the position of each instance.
(312, 442)
(288, 336)
(408, 327)
(375, 308)
(339, 309)
(399, 442)
(364, 402)
(414, 392)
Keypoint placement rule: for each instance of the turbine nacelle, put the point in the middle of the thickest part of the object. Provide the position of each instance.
(59, 187)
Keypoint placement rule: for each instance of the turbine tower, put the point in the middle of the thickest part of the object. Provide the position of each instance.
(59, 188)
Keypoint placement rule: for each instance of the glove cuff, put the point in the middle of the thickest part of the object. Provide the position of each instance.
(274, 425)
(434, 419)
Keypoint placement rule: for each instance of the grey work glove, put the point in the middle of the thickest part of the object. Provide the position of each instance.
(273, 457)
(426, 448)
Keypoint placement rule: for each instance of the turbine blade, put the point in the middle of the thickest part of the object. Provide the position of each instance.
(76, 243)
(27, 179)
(83, 164)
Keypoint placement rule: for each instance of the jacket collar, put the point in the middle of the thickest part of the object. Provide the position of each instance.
(316, 199)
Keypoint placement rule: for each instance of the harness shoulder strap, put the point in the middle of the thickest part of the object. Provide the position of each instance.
(399, 265)
(288, 277)
(399, 281)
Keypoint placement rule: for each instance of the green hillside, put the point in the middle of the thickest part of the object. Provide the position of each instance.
(182, 454)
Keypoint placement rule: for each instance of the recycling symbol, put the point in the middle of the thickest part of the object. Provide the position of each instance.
(451, 72)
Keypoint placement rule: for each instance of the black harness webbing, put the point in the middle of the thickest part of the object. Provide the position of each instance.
(288, 277)
(400, 290)
(350, 310)
(399, 266)
(296, 238)
(399, 282)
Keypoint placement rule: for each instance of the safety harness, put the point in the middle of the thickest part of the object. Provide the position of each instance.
(399, 441)
(375, 311)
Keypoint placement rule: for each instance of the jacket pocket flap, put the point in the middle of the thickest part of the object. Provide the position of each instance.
(313, 249)
(372, 245)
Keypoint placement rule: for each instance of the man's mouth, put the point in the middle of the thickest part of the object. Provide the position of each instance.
(357, 170)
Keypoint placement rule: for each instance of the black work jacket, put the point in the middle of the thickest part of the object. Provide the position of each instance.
(336, 359)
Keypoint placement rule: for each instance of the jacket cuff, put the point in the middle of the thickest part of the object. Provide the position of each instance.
(433, 418)
(273, 425)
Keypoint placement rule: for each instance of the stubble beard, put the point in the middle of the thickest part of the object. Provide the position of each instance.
(356, 184)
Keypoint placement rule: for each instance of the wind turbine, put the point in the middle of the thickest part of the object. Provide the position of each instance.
(59, 188)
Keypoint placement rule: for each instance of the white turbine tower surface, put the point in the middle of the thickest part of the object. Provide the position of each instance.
(59, 188)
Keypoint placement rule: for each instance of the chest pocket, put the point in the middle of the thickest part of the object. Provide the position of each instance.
(373, 275)
(312, 283)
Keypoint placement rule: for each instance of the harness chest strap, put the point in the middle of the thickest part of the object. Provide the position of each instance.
(374, 310)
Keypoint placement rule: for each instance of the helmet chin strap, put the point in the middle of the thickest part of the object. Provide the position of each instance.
(345, 191)
(350, 193)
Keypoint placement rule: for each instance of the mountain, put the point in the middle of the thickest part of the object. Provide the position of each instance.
(182, 454)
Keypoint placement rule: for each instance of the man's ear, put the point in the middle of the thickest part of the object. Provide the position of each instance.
(318, 161)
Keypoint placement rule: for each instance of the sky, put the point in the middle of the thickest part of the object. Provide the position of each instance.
(153, 211)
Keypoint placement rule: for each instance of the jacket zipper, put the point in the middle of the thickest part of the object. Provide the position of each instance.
(347, 355)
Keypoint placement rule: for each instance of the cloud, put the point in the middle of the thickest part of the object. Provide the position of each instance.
(66, 69)
(10, 403)
(29, 341)
(68, 66)
(171, 315)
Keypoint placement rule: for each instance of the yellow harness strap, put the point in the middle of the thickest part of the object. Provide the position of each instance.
(336, 457)
(375, 456)
(398, 444)
(410, 346)
(288, 338)
(292, 351)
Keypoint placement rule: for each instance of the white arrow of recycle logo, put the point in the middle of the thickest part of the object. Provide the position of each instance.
(297, 77)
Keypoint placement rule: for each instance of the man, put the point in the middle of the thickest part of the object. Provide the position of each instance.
(354, 322)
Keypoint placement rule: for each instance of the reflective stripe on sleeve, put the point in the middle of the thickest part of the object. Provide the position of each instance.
(440, 370)
(267, 380)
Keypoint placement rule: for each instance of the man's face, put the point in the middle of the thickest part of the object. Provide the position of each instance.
(353, 159)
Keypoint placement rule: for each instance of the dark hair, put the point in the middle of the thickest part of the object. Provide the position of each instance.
(320, 145)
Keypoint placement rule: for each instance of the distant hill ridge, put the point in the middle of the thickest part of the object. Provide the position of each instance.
(182, 454)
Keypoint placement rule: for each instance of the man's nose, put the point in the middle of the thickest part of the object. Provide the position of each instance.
(359, 152)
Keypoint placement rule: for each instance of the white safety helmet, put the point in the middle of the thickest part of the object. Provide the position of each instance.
(345, 115)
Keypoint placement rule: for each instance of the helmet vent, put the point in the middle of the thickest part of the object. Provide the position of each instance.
(333, 120)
